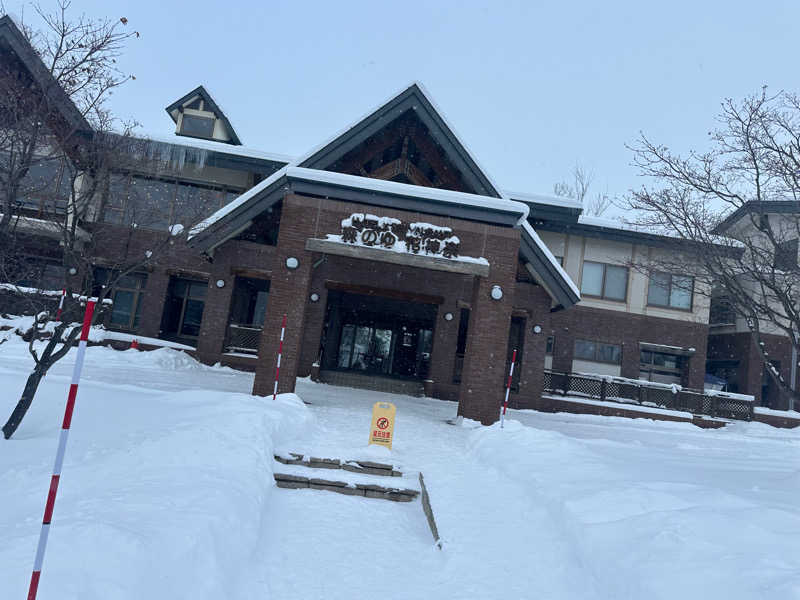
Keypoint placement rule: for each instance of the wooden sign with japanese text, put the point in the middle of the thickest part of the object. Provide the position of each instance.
(382, 428)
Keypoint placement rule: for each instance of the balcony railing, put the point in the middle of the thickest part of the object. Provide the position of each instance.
(243, 339)
(632, 391)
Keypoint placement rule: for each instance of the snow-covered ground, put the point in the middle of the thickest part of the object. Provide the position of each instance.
(167, 493)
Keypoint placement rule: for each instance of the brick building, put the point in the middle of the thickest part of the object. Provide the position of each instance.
(398, 262)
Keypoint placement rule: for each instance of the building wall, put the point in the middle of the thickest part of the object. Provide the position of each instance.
(575, 249)
(741, 347)
(627, 331)
(485, 364)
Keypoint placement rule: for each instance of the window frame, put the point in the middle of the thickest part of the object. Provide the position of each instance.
(597, 344)
(669, 292)
(138, 293)
(121, 209)
(603, 295)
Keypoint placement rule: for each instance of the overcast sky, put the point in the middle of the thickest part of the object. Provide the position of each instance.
(531, 87)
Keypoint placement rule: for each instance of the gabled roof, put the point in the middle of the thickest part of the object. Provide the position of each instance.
(415, 98)
(759, 207)
(378, 192)
(230, 220)
(201, 91)
(70, 120)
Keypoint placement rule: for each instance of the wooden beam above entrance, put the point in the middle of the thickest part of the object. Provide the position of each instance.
(398, 258)
(366, 290)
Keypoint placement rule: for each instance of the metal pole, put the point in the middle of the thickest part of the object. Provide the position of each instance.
(278, 366)
(62, 446)
(61, 304)
(508, 388)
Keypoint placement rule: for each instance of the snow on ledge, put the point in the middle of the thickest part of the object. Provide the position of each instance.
(787, 414)
(622, 406)
(399, 247)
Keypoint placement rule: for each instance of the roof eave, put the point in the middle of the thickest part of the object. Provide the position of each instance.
(547, 275)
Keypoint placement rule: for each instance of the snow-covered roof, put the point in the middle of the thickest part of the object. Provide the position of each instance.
(530, 235)
(518, 209)
(559, 201)
(220, 147)
(44, 227)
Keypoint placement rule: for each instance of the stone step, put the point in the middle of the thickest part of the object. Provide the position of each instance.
(355, 466)
(367, 490)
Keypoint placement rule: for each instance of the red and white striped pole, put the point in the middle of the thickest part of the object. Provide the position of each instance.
(62, 446)
(61, 304)
(278, 366)
(508, 388)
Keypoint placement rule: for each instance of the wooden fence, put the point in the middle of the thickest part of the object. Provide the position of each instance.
(631, 391)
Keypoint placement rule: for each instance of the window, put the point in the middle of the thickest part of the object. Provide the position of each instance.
(786, 255)
(604, 281)
(673, 291)
(721, 311)
(158, 203)
(249, 301)
(126, 294)
(37, 272)
(598, 352)
(661, 366)
(183, 310)
(551, 344)
(45, 189)
(197, 126)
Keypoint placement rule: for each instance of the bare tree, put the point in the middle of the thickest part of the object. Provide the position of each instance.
(582, 180)
(61, 152)
(752, 165)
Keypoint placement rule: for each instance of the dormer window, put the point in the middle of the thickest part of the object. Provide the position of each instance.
(197, 126)
(197, 115)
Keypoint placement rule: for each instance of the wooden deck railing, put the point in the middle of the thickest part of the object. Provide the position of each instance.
(645, 393)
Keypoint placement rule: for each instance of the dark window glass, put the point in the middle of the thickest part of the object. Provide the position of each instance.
(598, 352)
(34, 272)
(197, 126)
(249, 301)
(127, 295)
(721, 311)
(551, 344)
(183, 309)
(786, 255)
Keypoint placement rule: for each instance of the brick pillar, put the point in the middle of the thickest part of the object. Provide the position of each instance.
(213, 329)
(532, 367)
(481, 391)
(314, 323)
(153, 297)
(445, 336)
(288, 294)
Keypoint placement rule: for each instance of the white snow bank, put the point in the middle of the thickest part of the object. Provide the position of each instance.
(163, 495)
(789, 414)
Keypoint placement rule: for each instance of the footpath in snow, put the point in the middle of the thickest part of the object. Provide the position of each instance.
(167, 493)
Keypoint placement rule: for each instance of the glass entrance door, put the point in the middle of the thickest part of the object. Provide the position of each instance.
(365, 348)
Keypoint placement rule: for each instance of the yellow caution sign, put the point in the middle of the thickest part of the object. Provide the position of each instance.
(382, 428)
